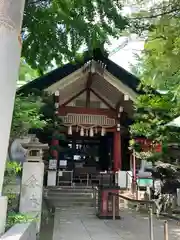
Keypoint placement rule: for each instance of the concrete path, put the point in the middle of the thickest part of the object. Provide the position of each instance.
(81, 224)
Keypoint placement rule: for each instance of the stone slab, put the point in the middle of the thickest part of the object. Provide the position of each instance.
(24, 231)
(80, 224)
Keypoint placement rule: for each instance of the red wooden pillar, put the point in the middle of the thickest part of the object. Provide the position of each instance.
(117, 143)
(117, 151)
(55, 142)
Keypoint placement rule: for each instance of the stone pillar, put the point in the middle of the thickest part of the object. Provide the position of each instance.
(11, 14)
(32, 189)
(32, 181)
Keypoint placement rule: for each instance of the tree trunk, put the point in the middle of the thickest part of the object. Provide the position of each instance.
(11, 14)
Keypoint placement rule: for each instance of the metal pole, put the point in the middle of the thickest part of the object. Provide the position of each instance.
(166, 235)
(94, 192)
(151, 232)
(134, 171)
(114, 207)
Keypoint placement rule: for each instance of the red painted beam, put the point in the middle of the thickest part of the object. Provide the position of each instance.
(73, 97)
(103, 100)
(64, 110)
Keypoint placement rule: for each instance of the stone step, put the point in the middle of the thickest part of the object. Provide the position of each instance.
(69, 188)
(70, 195)
(66, 190)
(65, 199)
(60, 204)
(77, 210)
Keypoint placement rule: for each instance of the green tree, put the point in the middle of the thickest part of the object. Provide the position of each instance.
(55, 30)
(152, 114)
(26, 115)
(160, 60)
(26, 73)
(53, 130)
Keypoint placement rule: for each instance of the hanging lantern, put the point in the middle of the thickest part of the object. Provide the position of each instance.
(102, 131)
(70, 130)
(121, 109)
(126, 97)
(91, 132)
(82, 132)
(87, 134)
(77, 129)
(56, 93)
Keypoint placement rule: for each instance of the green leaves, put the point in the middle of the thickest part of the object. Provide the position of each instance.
(26, 115)
(153, 112)
(14, 218)
(160, 61)
(54, 31)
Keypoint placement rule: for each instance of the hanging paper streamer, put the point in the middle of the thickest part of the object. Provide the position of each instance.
(70, 130)
(82, 132)
(91, 132)
(102, 131)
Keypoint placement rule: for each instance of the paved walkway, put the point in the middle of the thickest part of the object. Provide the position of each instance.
(80, 224)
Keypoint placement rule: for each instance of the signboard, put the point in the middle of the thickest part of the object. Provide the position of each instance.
(53, 164)
(63, 163)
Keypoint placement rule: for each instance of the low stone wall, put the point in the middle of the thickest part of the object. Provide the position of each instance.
(24, 231)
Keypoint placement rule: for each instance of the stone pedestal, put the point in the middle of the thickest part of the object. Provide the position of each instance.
(32, 188)
(3, 212)
(51, 179)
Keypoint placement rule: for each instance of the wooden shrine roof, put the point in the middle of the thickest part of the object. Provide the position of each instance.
(56, 75)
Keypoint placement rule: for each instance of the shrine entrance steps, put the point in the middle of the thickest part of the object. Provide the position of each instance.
(62, 197)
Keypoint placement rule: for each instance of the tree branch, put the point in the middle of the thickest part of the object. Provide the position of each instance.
(157, 15)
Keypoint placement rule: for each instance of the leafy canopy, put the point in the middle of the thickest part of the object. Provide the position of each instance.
(159, 65)
(152, 114)
(57, 29)
(26, 115)
(26, 73)
(158, 68)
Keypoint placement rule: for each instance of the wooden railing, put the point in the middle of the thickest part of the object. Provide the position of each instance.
(150, 204)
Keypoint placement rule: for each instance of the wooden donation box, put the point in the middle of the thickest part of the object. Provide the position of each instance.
(105, 200)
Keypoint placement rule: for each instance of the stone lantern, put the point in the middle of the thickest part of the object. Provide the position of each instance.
(34, 149)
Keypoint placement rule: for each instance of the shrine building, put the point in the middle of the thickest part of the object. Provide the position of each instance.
(95, 101)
